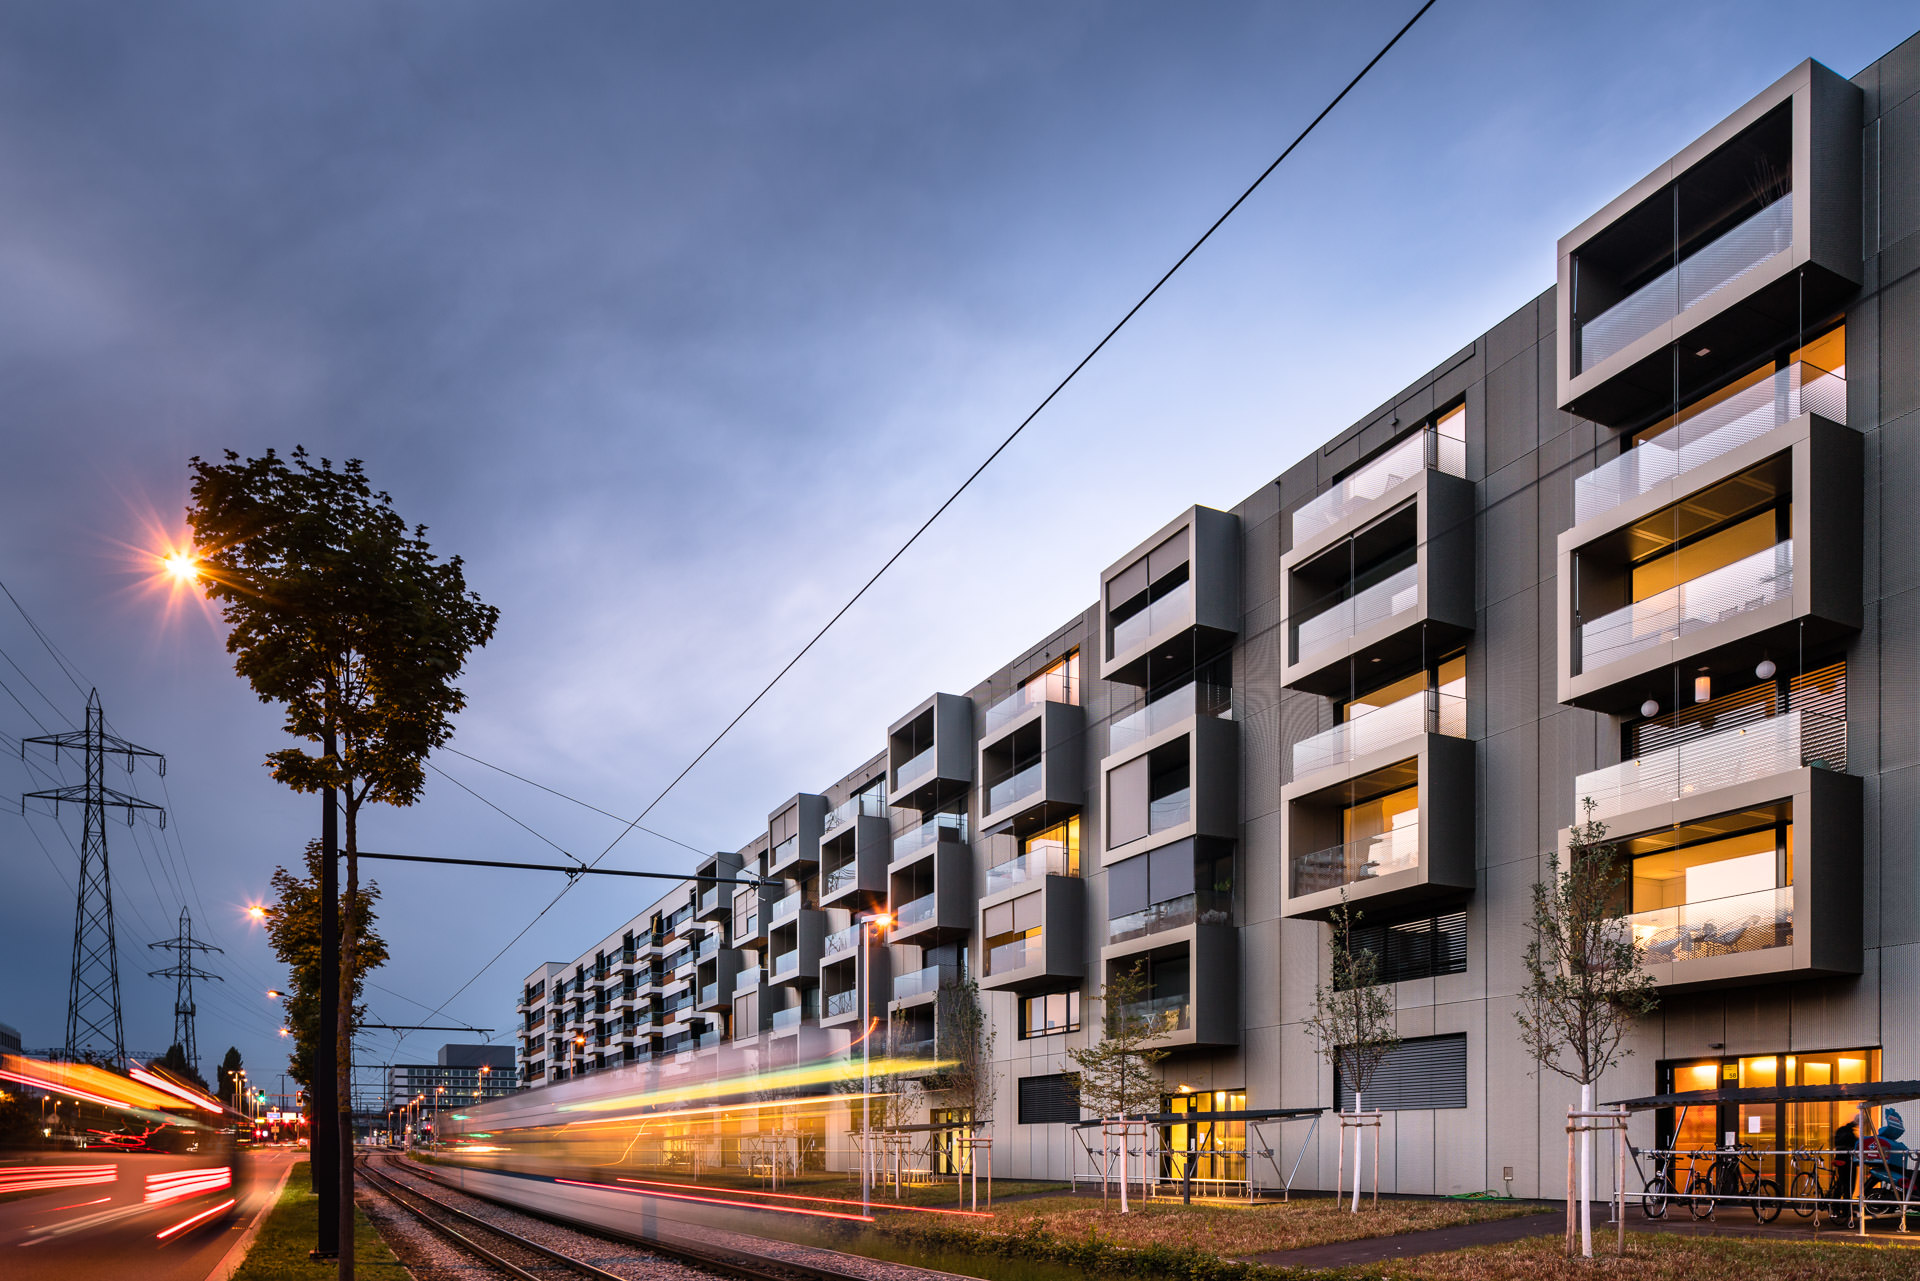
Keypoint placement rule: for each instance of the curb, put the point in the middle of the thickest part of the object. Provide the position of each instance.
(237, 1254)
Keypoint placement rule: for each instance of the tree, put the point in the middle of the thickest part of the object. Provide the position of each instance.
(293, 930)
(1585, 981)
(1353, 1017)
(174, 1061)
(1117, 1078)
(229, 1075)
(341, 613)
(964, 1044)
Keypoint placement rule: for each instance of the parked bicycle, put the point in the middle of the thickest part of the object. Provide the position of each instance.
(1657, 1190)
(1734, 1174)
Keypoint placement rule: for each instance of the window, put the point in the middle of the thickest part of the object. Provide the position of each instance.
(1049, 1014)
(1149, 794)
(1048, 1100)
(1416, 949)
(1054, 851)
(1746, 863)
(1423, 1072)
(1011, 932)
(1173, 886)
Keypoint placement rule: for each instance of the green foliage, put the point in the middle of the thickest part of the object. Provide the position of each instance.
(293, 930)
(964, 1041)
(1117, 1076)
(1585, 981)
(175, 1062)
(1353, 1015)
(229, 1076)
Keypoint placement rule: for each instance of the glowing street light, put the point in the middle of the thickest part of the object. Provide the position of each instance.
(181, 565)
(257, 911)
(275, 993)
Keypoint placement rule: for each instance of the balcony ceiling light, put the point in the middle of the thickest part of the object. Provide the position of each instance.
(1703, 351)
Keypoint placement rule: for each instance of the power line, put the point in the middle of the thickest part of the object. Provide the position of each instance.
(554, 791)
(971, 477)
(67, 668)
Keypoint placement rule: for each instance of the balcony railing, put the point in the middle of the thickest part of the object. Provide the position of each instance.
(1716, 927)
(1195, 698)
(1673, 292)
(842, 941)
(871, 804)
(918, 912)
(1708, 430)
(709, 947)
(923, 981)
(1707, 764)
(1172, 608)
(1017, 955)
(709, 1038)
(783, 853)
(786, 963)
(1361, 860)
(748, 980)
(787, 907)
(839, 1003)
(915, 769)
(711, 900)
(1171, 810)
(951, 826)
(1047, 860)
(1161, 1014)
(710, 994)
(1053, 687)
(1391, 596)
(1423, 712)
(1713, 597)
(1013, 790)
(840, 878)
(1208, 907)
(789, 1017)
(1425, 450)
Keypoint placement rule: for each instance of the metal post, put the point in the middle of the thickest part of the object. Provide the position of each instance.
(324, 1139)
(866, 1070)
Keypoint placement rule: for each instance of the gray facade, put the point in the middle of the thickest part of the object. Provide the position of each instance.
(1636, 542)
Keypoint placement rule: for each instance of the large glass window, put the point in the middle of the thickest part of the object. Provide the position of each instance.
(1049, 1014)
(1216, 1149)
(1179, 884)
(1382, 815)
(1725, 868)
(1772, 1129)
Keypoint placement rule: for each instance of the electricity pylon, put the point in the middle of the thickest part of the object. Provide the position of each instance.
(183, 973)
(93, 990)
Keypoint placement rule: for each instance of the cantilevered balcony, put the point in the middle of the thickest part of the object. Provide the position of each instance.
(855, 850)
(1034, 935)
(793, 835)
(1383, 480)
(1150, 718)
(931, 886)
(1192, 981)
(930, 752)
(1186, 578)
(920, 986)
(1382, 729)
(1032, 768)
(1714, 763)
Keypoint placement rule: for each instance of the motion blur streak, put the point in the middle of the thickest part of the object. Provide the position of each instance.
(186, 1183)
(184, 1224)
(828, 1200)
(38, 1178)
(681, 1113)
(186, 1095)
(726, 1201)
(84, 1081)
(764, 1083)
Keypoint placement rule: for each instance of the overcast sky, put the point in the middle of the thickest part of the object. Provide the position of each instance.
(673, 321)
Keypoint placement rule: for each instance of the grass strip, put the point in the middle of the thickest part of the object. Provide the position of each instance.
(279, 1253)
(1663, 1256)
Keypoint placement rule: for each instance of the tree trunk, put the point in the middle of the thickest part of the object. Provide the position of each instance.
(349, 956)
(1357, 1132)
(1586, 1171)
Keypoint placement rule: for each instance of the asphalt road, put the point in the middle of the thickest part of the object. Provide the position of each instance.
(144, 1221)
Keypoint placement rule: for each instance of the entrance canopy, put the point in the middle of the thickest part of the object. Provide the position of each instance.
(1197, 1118)
(1872, 1093)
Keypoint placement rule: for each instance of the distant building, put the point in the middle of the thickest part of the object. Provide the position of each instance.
(9, 1039)
(470, 1074)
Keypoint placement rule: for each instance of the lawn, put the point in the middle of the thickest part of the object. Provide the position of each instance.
(1235, 1231)
(279, 1253)
(1666, 1257)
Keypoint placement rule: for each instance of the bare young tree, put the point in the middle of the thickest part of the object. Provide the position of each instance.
(1353, 1017)
(1117, 1077)
(1585, 980)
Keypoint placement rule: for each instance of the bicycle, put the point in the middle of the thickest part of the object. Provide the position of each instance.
(1656, 1191)
(1730, 1176)
(1804, 1192)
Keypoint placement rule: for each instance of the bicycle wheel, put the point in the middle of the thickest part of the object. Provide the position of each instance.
(1700, 1196)
(1653, 1197)
(1766, 1203)
(1882, 1201)
(1806, 1194)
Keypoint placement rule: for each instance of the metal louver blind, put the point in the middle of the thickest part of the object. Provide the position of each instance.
(1418, 949)
(1047, 1100)
(1425, 1072)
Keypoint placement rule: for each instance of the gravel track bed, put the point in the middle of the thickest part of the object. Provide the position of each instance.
(424, 1255)
(772, 1252)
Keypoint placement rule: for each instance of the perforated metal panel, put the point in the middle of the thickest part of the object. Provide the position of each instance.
(1426, 1072)
(1048, 1100)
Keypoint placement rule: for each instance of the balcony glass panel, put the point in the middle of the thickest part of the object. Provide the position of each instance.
(1171, 810)
(1162, 1014)
(1422, 451)
(914, 770)
(841, 941)
(1052, 687)
(917, 912)
(1720, 594)
(1394, 850)
(709, 947)
(709, 1039)
(785, 852)
(844, 877)
(1716, 927)
(1696, 279)
(1423, 712)
(786, 963)
(918, 1048)
(1705, 431)
(839, 1003)
(748, 980)
(923, 981)
(871, 804)
(1169, 611)
(1013, 790)
(1205, 907)
(1707, 764)
(789, 906)
(710, 994)
(1195, 698)
(1050, 860)
(1393, 595)
(789, 1017)
(1016, 955)
(952, 826)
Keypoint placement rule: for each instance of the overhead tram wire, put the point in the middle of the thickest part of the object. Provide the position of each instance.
(966, 484)
(587, 805)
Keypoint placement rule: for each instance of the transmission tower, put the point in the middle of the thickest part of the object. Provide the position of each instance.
(183, 973)
(93, 991)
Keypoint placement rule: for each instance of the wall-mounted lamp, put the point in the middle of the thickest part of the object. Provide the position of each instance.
(1650, 708)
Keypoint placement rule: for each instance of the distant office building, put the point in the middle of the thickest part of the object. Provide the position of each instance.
(468, 1074)
(9, 1039)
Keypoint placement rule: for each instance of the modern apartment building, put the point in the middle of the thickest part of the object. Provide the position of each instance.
(1650, 542)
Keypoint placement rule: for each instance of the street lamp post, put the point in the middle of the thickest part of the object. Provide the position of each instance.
(869, 922)
(438, 1090)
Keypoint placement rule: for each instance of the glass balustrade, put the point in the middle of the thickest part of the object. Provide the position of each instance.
(1205, 907)
(870, 804)
(844, 877)
(1162, 1014)
(1169, 811)
(1195, 698)
(918, 912)
(1708, 430)
(710, 1039)
(914, 770)
(1424, 450)
(1423, 712)
(710, 994)
(788, 906)
(920, 1047)
(1356, 861)
(786, 963)
(785, 852)
(1169, 611)
(1715, 927)
(952, 827)
(1695, 280)
(842, 941)
(1052, 860)
(1053, 687)
(1713, 597)
(839, 1003)
(1013, 790)
(749, 979)
(789, 1017)
(1388, 598)
(923, 982)
(1017, 955)
(1714, 761)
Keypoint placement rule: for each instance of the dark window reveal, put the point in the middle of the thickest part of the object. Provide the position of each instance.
(1047, 1100)
(1424, 1072)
